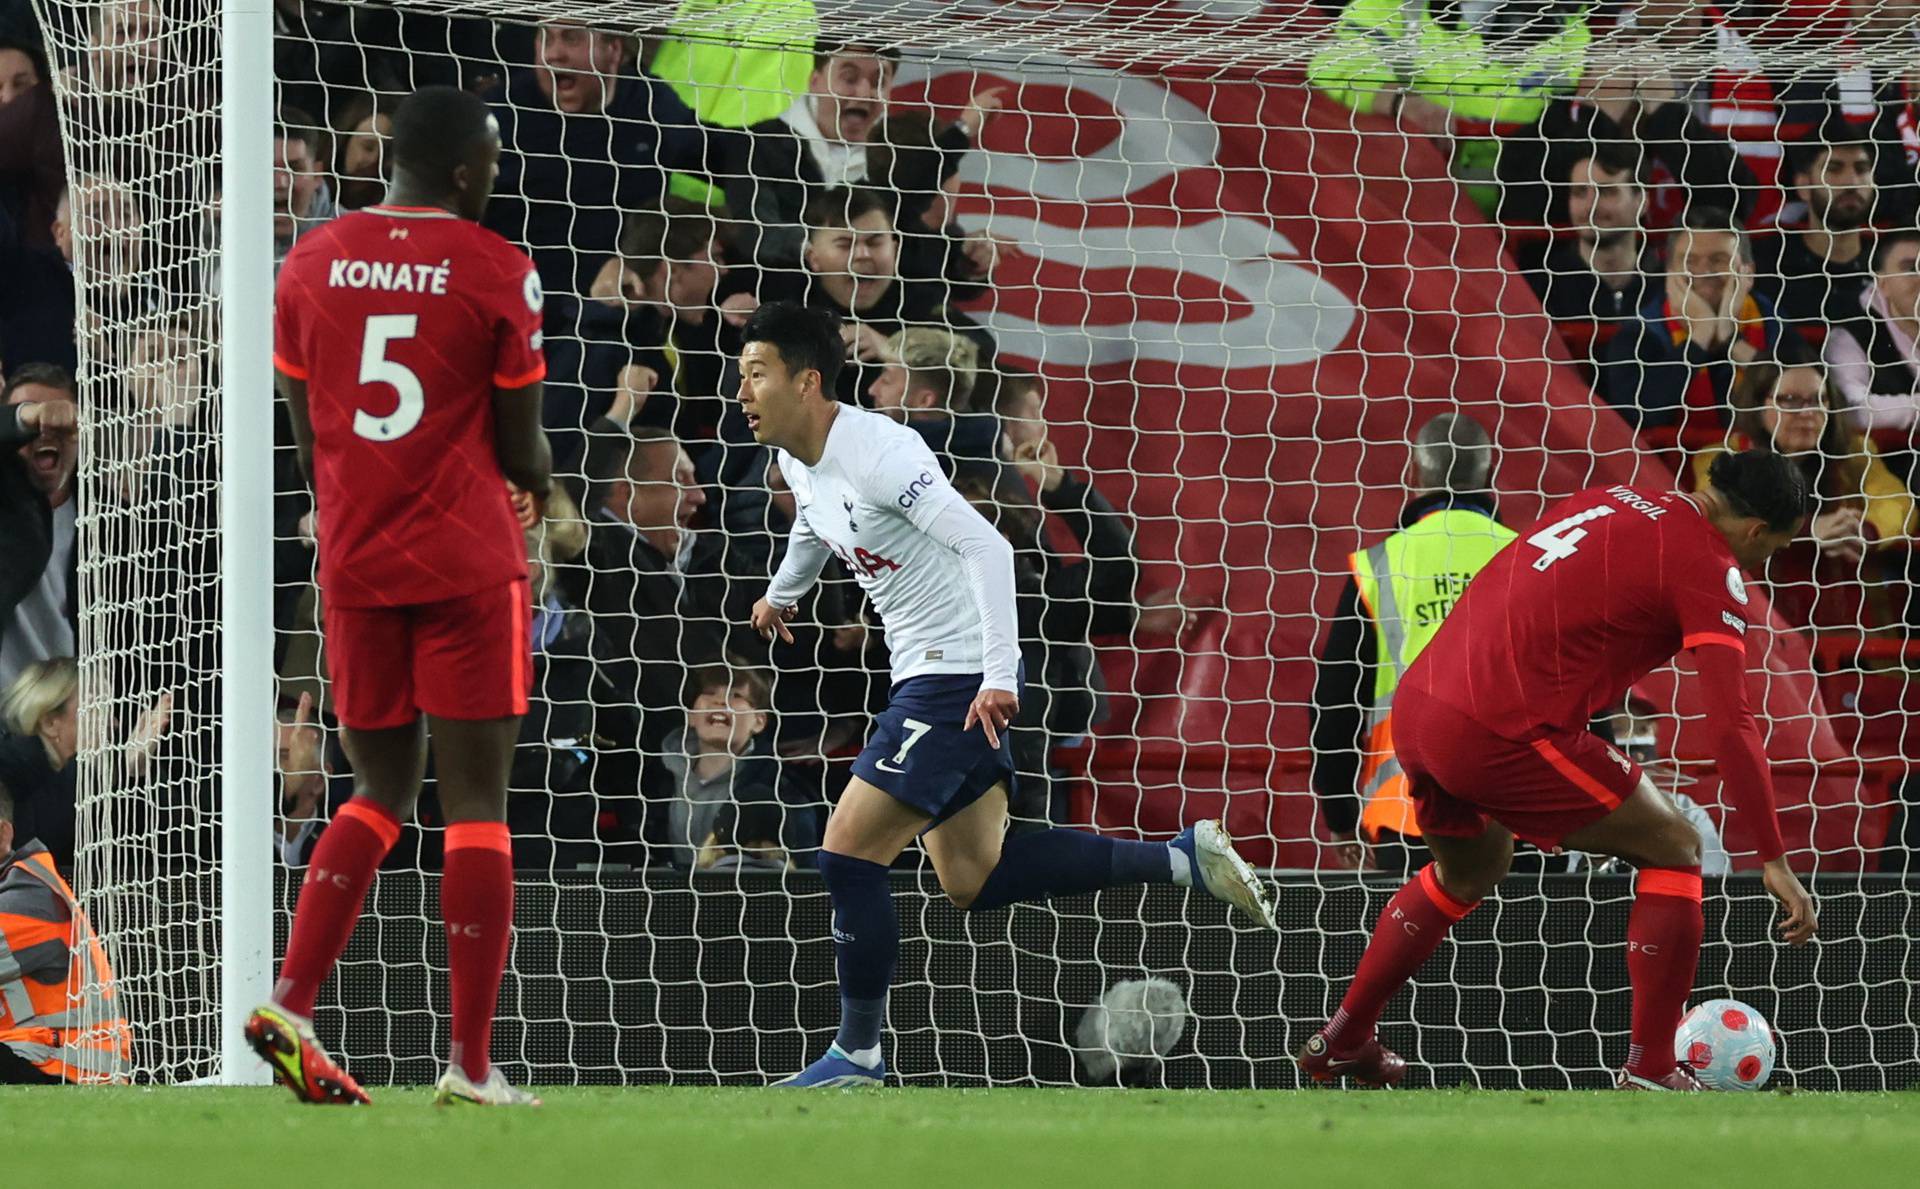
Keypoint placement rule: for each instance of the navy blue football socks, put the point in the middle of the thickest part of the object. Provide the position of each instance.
(1061, 862)
(866, 933)
(866, 938)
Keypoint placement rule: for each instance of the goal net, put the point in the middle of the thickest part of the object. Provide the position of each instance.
(1173, 288)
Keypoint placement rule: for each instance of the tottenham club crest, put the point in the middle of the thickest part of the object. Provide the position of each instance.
(1736, 586)
(854, 528)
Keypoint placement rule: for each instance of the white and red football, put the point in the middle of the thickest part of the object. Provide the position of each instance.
(1728, 1045)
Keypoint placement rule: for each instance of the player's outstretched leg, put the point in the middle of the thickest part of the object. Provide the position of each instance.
(387, 765)
(1663, 934)
(1410, 928)
(981, 868)
(867, 831)
(472, 759)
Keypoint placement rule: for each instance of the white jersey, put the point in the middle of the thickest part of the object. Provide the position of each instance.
(940, 576)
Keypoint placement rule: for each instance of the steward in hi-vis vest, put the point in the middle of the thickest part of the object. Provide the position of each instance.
(58, 1020)
(1487, 70)
(1397, 594)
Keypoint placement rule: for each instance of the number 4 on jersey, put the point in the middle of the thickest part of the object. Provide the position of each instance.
(1561, 539)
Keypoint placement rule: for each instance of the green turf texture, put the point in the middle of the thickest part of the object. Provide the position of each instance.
(980, 1139)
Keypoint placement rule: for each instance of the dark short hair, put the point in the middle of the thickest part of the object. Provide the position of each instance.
(730, 675)
(359, 106)
(293, 123)
(1761, 484)
(838, 207)
(827, 51)
(1614, 156)
(648, 237)
(1791, 350)
(435, 130)
(907, 158)
(1000, 387)
(47, 375)
(1835, 132)
(1713, 220)
(1888, 241)
(806, 338)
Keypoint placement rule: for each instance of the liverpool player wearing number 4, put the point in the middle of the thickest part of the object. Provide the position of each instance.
(870, 492)
(407, 339)
(1490, 723)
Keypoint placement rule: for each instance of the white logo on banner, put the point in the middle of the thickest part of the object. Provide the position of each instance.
(1292, 315)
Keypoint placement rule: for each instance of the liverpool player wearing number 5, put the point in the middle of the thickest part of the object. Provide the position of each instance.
(407, 340)
(937, 766)
(1490, 726)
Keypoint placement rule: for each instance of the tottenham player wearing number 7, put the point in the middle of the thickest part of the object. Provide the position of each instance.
(407, 340)
(1490, 728)
(869, 491)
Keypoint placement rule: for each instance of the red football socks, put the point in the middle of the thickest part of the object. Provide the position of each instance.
(1409, 930)
(341, 871)
(476, 901)
(1663, 951)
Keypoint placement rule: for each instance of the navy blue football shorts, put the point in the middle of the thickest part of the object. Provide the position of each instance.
(919, 756)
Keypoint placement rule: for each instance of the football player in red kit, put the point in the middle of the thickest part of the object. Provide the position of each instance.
(1490, 728)
(407, 342)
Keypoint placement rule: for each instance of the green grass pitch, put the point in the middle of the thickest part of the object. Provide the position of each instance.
(979, 1139)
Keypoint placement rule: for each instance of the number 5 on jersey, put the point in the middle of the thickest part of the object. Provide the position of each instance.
(1561, 539)
(376, 368)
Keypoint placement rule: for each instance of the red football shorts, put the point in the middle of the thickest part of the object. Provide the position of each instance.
(1459, 774)
(464, 658)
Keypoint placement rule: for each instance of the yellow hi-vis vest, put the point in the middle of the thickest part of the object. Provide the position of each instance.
(1409, 582)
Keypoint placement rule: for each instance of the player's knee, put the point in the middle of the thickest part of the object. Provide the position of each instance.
(1471, 871)
(1685, 843)
(1469, 886)
(962, 891)
(399, 804)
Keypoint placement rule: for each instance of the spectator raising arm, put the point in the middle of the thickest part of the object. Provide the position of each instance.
(1106, 580)
(1093, 596)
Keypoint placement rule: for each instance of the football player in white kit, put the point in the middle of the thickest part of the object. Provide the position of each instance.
(868, 491)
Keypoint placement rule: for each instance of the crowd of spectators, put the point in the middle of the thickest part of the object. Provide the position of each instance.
(1730, 260)
(1728, 253)
(658, 222)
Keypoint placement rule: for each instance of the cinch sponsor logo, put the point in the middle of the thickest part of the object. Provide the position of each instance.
(916, 489)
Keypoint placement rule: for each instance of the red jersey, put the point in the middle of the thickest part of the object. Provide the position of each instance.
(1606, 586)
(403, 321)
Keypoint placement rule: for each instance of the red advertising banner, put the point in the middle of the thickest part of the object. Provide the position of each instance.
(1243, 306)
